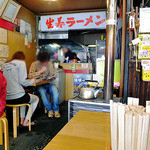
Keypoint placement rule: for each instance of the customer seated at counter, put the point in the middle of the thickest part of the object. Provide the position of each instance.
(15, 73)
(41, 69)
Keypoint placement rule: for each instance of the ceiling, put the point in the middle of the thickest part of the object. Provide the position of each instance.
(60, 6)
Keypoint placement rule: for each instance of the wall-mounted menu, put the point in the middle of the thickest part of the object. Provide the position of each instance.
(22, 26)
(3, 35)
(28, 27)
(144, 20)
(4, 50)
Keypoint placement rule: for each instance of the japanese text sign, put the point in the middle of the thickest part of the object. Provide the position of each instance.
(64, 22)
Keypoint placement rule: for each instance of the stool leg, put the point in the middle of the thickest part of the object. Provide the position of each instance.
(29, 117)
(45, 110)
(14, 122)
(1, 133)
(5, 122)
(17, 109)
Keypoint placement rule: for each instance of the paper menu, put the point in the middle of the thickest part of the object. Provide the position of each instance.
(145, 62)
(51, 77)
(144, 46)
(144, 50)
(26, 41)
(22, 26)
(28, 27)
(4, 50)
(3, 35)
(144, 20)
(145, 70)
(29, 37)
(48, 78)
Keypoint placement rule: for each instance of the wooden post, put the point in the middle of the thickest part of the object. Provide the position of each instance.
(123, 48)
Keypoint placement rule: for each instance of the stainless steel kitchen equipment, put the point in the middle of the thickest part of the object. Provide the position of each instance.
(90, 92)
(60, 84)
(76, 104)
(99, 104)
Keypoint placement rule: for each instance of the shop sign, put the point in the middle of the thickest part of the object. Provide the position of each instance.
(64, 22)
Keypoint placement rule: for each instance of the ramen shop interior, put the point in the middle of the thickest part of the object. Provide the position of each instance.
(74, 75)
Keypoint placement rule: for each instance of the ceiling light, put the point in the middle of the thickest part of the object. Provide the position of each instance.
(91, 45)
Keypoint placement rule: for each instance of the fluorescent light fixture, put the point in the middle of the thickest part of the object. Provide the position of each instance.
(91, 45)
(57, 45)
(54, 45)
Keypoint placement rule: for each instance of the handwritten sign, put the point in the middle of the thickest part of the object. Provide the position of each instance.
(4, 50)
(3, 35)
(64, 22)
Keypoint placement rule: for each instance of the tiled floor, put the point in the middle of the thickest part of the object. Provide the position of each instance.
(41, 134)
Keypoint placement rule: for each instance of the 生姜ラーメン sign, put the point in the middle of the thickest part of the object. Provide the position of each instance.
(64, 22)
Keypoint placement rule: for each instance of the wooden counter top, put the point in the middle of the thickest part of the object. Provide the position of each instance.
(85, 131)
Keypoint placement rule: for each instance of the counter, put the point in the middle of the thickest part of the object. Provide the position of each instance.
(87, 130)
(60, 84)
(80, 68)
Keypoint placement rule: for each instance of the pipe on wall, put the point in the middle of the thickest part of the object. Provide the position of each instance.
(110, 49)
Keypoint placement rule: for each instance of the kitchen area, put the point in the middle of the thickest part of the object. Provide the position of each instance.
(84, 34)
(74, 75)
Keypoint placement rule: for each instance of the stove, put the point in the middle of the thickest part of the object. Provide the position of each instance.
(75, 104)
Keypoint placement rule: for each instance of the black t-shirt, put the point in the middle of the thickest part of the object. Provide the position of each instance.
(70, 55)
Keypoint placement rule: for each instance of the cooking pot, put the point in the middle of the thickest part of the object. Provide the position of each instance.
(88, 93)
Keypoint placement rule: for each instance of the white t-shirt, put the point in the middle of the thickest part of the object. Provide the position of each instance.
(15, 73)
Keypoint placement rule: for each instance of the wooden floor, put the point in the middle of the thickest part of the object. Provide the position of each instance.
(85, 131)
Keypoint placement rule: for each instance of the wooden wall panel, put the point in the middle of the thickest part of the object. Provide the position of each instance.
(136, 86)
(16, 40)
